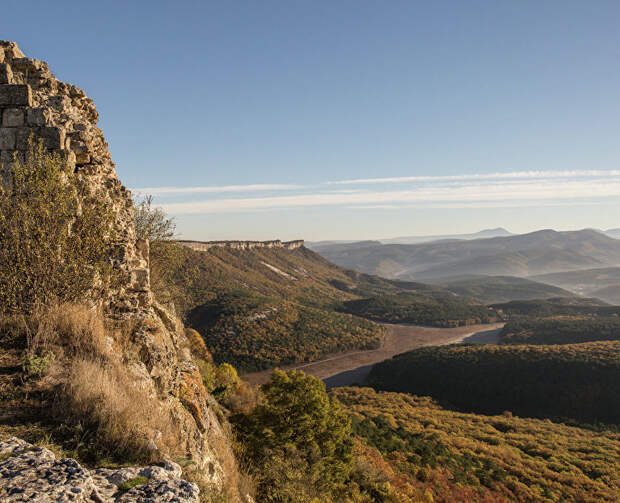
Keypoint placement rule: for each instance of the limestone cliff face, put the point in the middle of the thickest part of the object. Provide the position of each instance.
(34, 102)
(243, 245)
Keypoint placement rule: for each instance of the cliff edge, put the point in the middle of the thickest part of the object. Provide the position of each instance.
(152, 346)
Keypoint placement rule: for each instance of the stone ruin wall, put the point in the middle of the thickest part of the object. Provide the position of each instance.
(243, 245)
(34, 102)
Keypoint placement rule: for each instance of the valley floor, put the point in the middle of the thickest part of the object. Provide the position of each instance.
(343, 369)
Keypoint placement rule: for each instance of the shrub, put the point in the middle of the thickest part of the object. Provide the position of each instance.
(152, 223)
(298, 440)
(226, 381)
(56, 235)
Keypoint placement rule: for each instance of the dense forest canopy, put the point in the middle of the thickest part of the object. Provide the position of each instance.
(418, 446)
(577, 381)
(560, 330)
(543, 308)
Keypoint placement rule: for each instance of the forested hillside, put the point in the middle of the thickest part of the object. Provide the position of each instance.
(600, 283)
(577, 381)
(263, 307)
(493, 289)
(544, 308)
(416, 446)
(560, 330)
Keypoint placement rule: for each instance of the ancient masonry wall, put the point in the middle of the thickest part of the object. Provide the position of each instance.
(243, 245)
(34, 102)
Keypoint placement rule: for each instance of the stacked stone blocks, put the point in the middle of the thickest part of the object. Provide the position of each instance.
(34, 104)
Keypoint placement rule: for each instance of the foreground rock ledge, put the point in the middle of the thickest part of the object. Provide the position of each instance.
(29, 474)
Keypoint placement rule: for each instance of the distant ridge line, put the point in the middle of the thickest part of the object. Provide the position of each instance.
(242, 245)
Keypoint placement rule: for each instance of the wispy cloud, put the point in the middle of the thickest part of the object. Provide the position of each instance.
(488, 176)
(456, 195)
(214, 189)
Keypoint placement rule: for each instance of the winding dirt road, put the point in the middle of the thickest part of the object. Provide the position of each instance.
(342, 369)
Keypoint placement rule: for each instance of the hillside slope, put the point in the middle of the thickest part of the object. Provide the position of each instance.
(600, 282)
(263, 307)
(418, 446)
(522, 255)
(577, 381)
(494, 289)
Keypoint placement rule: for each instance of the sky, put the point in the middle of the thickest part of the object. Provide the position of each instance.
(349, 119)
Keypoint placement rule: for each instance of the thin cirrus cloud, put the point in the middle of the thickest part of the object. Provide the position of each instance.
(508, 189)
(488, 176)
(214, 189)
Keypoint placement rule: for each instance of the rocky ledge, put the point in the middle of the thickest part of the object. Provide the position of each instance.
(242, 245)
(29, 473)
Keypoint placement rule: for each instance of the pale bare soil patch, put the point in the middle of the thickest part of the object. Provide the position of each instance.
(341, 369)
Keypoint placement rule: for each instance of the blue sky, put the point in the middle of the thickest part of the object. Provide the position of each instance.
(433, 117)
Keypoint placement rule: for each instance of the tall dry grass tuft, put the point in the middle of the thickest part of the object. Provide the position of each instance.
(121, 419)
(72, 329)
(115, 411)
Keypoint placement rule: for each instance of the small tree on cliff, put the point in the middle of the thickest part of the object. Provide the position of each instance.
(56, 235)
(152, 223)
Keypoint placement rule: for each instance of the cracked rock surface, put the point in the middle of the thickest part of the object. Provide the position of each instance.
(33, 474)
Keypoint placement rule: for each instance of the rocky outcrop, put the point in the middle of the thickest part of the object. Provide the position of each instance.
(29, 473)
(243, 245)
(33, 103)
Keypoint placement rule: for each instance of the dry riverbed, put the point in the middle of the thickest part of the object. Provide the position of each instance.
(342, 369)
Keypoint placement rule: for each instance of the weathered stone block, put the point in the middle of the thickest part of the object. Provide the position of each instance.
(1, 55)
(38, 117)
(53, 137)
(11, 49)
(82, 158)
(13, 117)
(22, 135)
(15, 95)
(7, 138)
(69, 158)
(8, 157)
(140, 279)
(6, 74)
(27, 64)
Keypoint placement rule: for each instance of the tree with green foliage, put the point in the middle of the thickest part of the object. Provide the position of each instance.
(56, 233)
(151, 222)
(301, 432)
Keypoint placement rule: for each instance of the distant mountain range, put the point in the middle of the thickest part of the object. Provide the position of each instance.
(613, 233)
(483, 234)
(601, 283)
(487, 233)
(523, 255)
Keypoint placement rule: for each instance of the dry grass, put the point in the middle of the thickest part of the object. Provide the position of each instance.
(121, 418)
(90, 388)
(70, 329)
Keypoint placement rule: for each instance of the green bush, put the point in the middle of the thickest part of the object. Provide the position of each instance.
(298, 440)
(56, 235)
